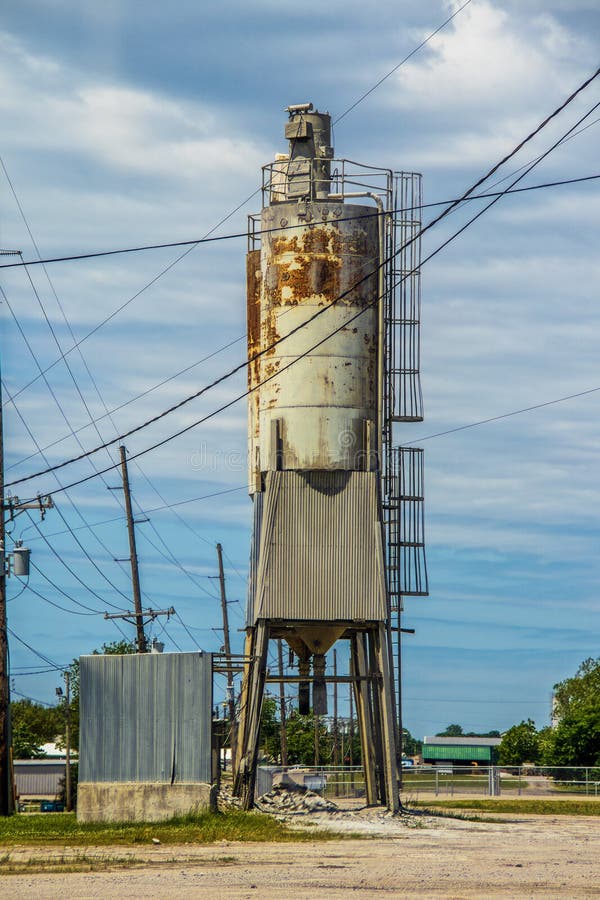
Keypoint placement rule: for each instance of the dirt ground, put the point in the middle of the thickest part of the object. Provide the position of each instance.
(519, 857)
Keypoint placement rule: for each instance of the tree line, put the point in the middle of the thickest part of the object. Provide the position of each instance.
(573, 738)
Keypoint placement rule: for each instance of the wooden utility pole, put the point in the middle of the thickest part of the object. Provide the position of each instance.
(6, 790)
(135, 575)
(226, 642)
(68, 788)
(282, 715)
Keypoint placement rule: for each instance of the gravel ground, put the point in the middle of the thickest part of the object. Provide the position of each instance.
(520, 857)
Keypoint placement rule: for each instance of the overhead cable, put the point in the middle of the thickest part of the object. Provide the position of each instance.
(401, 63)
(237, 235)
(322, 310)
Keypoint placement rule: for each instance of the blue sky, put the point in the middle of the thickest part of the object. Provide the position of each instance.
(121, 129)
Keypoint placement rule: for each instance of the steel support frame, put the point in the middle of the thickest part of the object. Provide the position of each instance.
(373, 688)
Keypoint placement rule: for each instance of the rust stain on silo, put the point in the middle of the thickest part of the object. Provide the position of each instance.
(253, 285)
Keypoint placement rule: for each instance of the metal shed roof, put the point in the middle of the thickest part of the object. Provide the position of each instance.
(465, 741)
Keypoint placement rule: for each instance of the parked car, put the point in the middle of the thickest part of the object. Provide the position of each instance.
(52, 806)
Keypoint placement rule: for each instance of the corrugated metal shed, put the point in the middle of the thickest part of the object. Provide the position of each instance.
(146, 717)
(450, 752)
(463, 741)
(38, 777)
(320, 551)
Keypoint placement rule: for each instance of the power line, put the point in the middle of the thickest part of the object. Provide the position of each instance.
(419, 440)
(32, 436)
(401, 63)
(237, 235)
(319, 312)
(148, 284)
(77, 344)
(108, 413)
(41, 656)
(186, 629)
(508, 415)
(92, 421)
(61, 516)
(32, 699)
(154, 509)
(55, 552)
(322, 310)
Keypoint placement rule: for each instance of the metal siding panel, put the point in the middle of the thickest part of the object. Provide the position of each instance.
(146, 717)
(40, 779)
(453, 752)
(257, 504)
(321, 548)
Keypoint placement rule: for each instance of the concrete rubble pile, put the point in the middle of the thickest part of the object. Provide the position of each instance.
(225, 800)
(284, 800)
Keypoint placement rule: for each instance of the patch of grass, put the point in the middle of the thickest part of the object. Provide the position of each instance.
(99, 862)
(79, 862)
(539, 807)
(204, 828)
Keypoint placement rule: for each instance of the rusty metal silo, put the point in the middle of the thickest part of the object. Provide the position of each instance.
(318, 402)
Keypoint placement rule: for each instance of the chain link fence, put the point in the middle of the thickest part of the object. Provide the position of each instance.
(441, 781)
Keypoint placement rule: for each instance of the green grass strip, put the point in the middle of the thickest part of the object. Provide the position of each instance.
(204, 828)
(539, 807)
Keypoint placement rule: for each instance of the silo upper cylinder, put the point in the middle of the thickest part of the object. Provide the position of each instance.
(314, 320)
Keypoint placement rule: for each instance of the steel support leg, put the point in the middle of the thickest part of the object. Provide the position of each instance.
(375, 694)
(246, 774)
(385, 688)
(364, 714)
(241, 737)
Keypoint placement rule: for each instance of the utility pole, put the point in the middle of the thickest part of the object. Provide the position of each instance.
(135, 575)
(67, 698)
(282, 716)
(7, 798)
(230, 689)
(6, 791)
(68, 788)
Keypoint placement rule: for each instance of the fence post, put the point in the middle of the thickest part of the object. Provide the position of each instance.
(437, 782)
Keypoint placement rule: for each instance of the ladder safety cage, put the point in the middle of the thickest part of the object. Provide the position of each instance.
(405, 526)
(404, 400)
(400, 196)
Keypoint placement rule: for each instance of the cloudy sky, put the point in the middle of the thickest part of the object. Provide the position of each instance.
(121, 129)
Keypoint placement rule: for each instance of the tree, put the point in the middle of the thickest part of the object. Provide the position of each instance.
(25, 745)
(520, 744)
(34, 724)
(301, 740)
(410, 745)
(270, 729)
(451, 731)
(582, 689)
(575, 738)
